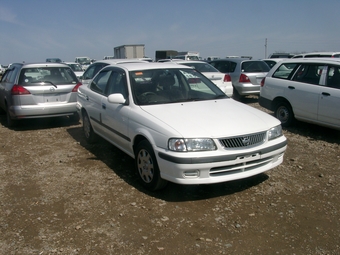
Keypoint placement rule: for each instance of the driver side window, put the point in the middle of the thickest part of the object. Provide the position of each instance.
(99, 83)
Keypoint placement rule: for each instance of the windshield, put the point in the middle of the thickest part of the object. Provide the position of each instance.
(161, 86)
(47, 75)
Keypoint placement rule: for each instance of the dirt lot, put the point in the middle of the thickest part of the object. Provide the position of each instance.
(60, 195)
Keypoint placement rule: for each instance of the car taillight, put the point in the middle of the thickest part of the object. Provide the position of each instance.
(244, 78)
(19, 90)
(262, 81)
(75, 89)
(227, 78)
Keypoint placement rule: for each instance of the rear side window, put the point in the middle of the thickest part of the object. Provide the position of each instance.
(333, 77)
(254, 67)
(10, 74)
(308, 73)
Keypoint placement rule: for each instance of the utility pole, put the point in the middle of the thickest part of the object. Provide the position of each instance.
(265, 48)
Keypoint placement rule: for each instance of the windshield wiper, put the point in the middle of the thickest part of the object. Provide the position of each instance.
(51, 83)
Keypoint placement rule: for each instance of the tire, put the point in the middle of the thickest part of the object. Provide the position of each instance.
(284, 113)
(90, 135)
(236, 95)
(10, 122)
(74, 118)
(147, 167)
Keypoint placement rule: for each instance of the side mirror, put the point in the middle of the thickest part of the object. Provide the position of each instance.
(116, 99)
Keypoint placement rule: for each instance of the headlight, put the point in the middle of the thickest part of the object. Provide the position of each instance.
(193, 144)
(274, 132)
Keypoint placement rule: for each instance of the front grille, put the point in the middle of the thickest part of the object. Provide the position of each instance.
(240, 167)
(243, 141)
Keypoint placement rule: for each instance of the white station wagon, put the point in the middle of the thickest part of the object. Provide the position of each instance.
(304, 89)
(174, 131)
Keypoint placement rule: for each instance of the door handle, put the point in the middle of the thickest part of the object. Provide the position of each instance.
(325, 94)
(291, 87)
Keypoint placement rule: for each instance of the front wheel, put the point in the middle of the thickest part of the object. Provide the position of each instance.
(90, 135)
(147, 167)
(284, 113)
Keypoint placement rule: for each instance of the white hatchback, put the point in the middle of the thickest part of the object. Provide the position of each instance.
(304, 89)
(176, 132)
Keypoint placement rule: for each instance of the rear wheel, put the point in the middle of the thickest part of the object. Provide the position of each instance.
(147, 167)
(284, 113)
(74, 118)
(90, 135)
(236, 95)
(10, 122)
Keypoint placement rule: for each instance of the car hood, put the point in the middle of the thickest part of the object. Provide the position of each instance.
(213, 118)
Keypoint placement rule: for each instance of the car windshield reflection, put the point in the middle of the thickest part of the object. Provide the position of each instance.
(171, 86)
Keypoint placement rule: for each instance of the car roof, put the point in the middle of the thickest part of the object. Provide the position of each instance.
(150, 65)
(238, 60)
(330, 53)
(41, 64)
(118, 61)
(191, 61)
(313, 60)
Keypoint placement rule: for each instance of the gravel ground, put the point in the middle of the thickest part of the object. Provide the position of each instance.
(60, 195)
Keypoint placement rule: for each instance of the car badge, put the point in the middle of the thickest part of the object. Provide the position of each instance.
(246, 140)
(52, 89)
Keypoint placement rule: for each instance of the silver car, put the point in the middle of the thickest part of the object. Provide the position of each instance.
(38, 90)
(246, 74)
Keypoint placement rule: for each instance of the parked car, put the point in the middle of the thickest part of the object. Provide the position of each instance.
(3, 68)
(318, 55)
(94, 68)
(76, 68)
(221, 80)
(174, 131)
(53, 60)
(38, 90)
(281, 55)
(85, 62)
(304, 89)
(246, 74)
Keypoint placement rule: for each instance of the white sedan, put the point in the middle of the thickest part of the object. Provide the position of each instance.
(176, 132)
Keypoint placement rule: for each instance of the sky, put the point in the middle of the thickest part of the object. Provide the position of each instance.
(33, 30)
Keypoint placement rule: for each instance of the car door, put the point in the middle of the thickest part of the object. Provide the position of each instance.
(95, 95)
(304, 92)
(115, 117)
(329, 98)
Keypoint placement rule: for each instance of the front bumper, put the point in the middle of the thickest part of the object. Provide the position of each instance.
(215, 169)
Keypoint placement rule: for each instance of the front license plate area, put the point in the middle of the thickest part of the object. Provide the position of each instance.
(249, 157)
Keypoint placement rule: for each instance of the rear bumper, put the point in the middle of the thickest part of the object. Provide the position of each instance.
(40, 111)
(247, 89)
(266, 103)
